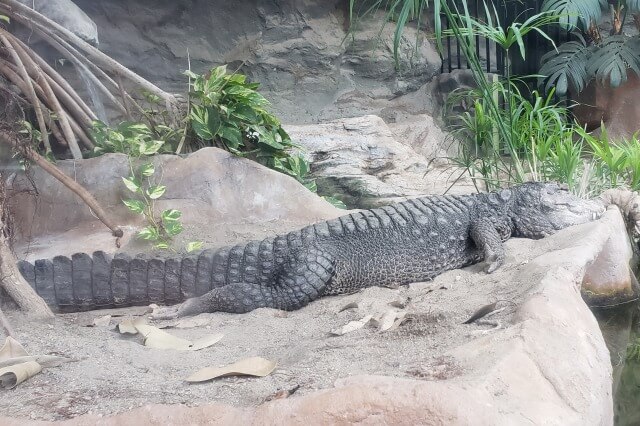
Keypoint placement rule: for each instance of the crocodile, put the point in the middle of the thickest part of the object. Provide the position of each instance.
(411, 241)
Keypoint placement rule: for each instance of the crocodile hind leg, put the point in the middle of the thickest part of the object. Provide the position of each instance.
(300, 281)
(487, 238)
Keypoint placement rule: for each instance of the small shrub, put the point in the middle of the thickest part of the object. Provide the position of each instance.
(228, 112)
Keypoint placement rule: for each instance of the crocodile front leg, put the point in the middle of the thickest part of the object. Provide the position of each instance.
(487, 238)
(300, 281)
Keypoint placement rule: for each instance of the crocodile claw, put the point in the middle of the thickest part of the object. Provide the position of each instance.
(165, 313)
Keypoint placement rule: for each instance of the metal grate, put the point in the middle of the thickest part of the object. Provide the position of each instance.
(492, 57)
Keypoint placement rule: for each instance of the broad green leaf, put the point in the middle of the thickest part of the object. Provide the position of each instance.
(147, 170)
(200, 123)
(612, 60)
(245, 113)
(131, 183)
(116, 136)
(151, 147)
(335, 202)
(133, 127)
(173, 228)
(311, 186)
(567, 64)
(162, 246)
(194, 245)
(190, 74)
(171, 215)
(237, 78)
(135, 206)
(5, 18)
(149, 233)
(573, 12)
(219, 72)
(156, 192)
(231, 136)
(267, 137)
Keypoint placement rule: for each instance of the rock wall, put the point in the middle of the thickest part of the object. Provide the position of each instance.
(297, 49)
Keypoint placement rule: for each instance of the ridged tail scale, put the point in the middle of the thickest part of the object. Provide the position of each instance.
(84, 282)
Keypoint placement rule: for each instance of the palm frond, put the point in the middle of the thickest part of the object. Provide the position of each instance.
(574, 12)
(567, 65)
(613, 58)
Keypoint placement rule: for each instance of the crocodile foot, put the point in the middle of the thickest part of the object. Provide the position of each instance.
(193, 306)
(165, 312)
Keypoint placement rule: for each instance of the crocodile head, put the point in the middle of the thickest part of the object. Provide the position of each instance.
(540, 209)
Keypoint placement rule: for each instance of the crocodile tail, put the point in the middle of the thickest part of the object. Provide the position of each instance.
(85, 282)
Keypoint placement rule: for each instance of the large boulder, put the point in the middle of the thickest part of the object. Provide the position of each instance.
(361, 161)
(213, 189)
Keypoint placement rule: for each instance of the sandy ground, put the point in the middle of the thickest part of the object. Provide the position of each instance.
(114, 373)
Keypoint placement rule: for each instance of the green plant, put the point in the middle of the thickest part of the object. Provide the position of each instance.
(616, 163)
(137, 142)
(228, 112)
(505, 124)
(633, 351)
(607, 59)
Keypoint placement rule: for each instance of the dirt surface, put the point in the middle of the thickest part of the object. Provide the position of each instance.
(114, 373)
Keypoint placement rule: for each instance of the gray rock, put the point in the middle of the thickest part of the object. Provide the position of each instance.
(298, 50)
(359, 160)
(369, 54)
(67, 14)
(209, 186)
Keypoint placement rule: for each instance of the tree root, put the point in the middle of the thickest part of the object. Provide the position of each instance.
(32, 155)
(46, 90)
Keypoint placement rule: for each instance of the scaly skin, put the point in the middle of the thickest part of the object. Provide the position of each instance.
(398, 244)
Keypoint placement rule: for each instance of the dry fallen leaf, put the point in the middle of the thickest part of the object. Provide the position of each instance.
(390, 320)
(11, 349)
(126, 326)
(103, 321)
(206, 341)
(254, 366)
(43, 360)
(12, 376)
(483, 311)
(400, 304)
(351, 326)
(160, 339)
(352, 305)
